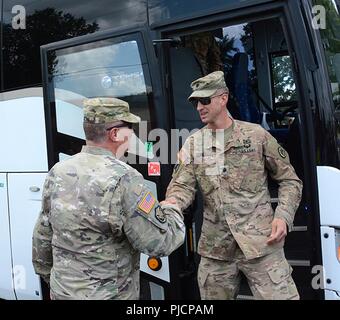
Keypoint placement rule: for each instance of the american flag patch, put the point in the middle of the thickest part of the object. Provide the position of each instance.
(147, 203)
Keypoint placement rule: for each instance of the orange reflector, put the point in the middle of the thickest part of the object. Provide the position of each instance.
(339, 253)
(154, 263)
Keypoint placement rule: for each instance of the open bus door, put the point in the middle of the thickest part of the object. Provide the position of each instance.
(118, 63)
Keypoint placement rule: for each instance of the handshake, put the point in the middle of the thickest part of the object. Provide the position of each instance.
(168, 201)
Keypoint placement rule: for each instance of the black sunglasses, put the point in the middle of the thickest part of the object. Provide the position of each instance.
(204, 101)
(122, 125)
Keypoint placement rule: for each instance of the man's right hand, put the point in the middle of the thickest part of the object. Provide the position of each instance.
(279, 231)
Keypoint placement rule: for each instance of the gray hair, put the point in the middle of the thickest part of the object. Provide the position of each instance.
(95, 132)
(223, 90)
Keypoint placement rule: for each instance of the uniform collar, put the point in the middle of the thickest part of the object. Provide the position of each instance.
(233, 141)
(235, 137)
(96, 150)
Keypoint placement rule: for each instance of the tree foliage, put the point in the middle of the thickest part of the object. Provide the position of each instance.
(284, 84)
(22, 47)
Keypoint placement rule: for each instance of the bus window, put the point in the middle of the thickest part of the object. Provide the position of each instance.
(283, 80)
(105, 68)
(284, 88)
(331, 43)
(258, 71)
(50, 21)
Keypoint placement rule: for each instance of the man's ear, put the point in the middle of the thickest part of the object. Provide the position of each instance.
(113, 134)
(225, 98)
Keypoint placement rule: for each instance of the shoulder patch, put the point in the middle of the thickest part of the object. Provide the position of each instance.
(147, 203)
(282, 152)
(160, 216)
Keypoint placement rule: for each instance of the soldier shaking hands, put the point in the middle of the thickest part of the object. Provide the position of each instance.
(229, 161)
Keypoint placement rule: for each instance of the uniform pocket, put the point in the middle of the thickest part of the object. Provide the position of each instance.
(202, 276)
(280, 272)
(207, 178)
(208, 185)
(251, 183)
(247, 175)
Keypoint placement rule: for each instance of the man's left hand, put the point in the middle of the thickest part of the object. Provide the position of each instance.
(279, 231)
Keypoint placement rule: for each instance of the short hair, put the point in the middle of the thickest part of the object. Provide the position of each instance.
(223, 90)
(95, 132)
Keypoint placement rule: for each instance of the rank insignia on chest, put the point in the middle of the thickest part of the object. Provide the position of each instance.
(147, 203)
(247, 143)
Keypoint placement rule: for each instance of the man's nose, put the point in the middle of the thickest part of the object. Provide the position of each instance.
(199, 106)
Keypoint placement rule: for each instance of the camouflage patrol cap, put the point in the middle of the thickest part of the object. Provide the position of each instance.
(208, 85)
(105, 110)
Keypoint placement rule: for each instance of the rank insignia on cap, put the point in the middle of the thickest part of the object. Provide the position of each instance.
(282, 152)
(147, 203)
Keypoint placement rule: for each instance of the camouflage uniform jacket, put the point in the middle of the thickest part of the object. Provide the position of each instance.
(233, 179)
(97, 215)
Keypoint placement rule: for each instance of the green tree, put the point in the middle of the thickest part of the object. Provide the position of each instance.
(284, 84)
(228, 50)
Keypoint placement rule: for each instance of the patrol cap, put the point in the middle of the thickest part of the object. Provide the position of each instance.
(106, 110)
(206, 86)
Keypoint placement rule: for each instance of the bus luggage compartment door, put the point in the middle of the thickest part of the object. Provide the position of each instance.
(6, 280)
(329, 185)
(24, 197)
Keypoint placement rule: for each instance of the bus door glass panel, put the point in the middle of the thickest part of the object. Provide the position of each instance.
(105, 68)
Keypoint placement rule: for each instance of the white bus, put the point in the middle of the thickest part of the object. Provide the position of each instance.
(282, 64)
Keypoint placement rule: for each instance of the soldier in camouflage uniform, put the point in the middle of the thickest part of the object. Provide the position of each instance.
(97, 215)
(229, 161)
(206, 51)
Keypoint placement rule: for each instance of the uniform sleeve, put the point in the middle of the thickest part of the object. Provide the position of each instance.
(150, 228)
(42, 235)
(290, 186)
(182, 186)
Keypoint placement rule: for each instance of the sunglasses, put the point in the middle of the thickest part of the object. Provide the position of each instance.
(204, 101)
(122, 125)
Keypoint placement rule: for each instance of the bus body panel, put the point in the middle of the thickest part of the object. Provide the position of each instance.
(24, 197)
(6, 279)
(22, 131)
(329, 186)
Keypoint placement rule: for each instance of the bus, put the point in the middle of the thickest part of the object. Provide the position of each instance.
(281, 61)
